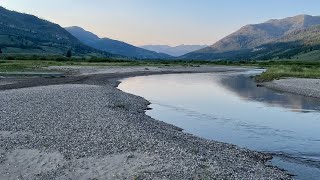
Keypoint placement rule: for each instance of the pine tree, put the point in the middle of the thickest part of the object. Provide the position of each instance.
(69, 53)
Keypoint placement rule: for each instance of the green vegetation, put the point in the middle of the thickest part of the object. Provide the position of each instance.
(275, 69)
(26, 34)
(39, 65)
(290, 69)
(69, 53)
(289, 38)
(23, 63)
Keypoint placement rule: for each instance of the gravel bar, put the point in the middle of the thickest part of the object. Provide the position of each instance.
(83, 127)
(301, 86)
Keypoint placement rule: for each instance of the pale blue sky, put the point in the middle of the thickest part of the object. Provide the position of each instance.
(170, 22)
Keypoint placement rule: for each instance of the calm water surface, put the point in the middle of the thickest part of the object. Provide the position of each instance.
(228, 107)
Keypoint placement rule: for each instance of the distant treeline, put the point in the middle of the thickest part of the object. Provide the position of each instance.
(59, 58)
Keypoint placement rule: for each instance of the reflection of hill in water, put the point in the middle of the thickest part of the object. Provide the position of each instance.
(246, 88)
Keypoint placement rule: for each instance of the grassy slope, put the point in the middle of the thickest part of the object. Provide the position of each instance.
(309, 56)
(27, 34)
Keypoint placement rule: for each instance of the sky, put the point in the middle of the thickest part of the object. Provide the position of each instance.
(170, 22)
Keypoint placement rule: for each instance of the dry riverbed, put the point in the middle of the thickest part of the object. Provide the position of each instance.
(83, 127)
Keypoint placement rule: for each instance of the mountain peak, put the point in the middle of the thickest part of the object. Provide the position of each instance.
(296, 18)
(75, 28)
(299, 21)
(254, 35)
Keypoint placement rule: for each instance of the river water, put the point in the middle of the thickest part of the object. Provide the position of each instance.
(229, 107)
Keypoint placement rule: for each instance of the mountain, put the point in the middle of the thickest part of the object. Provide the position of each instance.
(309, 36)
(27, 34)
(174, 51)
(302, 44)
(252, 36)
(299, 44)
(114, 46)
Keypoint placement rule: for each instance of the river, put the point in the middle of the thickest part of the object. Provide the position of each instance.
(229, 107)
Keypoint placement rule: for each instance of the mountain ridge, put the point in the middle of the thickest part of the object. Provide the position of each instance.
(254, 35)
(22, 33)
(113, 46)
(175, 51)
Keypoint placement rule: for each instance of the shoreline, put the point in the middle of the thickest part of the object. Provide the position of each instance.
(134, 145)
(300, 86)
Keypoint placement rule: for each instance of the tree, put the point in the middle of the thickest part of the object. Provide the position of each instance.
(69, 53)
(0, 51)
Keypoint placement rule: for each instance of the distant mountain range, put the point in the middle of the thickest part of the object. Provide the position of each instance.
(295, 37)
(114, 46)
(26, 34)
(174, 51)
(274, 39)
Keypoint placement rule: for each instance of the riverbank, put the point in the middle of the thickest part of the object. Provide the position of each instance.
(301, 86)
(295, 77)
(280, 70)
(83, 127)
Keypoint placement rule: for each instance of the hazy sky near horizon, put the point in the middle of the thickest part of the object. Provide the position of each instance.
(171, 22)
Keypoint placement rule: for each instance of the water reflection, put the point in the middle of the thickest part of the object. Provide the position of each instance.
(247, 89)
(228, 107)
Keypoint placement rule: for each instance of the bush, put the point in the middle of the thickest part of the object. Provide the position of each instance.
(296, 69)
(69, 53)
(10, 58)
(61, 59)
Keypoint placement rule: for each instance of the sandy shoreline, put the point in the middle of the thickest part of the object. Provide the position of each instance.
(83, 127)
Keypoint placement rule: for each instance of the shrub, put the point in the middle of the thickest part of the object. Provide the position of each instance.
(296, 69)
(69, 53)
(10, 58)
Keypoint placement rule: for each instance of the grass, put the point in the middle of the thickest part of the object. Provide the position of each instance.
(10, 63)
(275, 69)
(6, 66)
(25, 65)
(39, 65)
(284, 71)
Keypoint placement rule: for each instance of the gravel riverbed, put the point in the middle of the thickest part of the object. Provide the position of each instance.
(301, 86)
(83, 127)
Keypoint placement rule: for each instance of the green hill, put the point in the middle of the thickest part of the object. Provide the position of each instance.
(27, 34)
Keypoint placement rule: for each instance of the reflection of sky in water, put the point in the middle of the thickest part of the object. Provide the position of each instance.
(232, 109)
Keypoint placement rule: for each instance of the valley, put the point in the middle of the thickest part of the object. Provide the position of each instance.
(76, 102)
